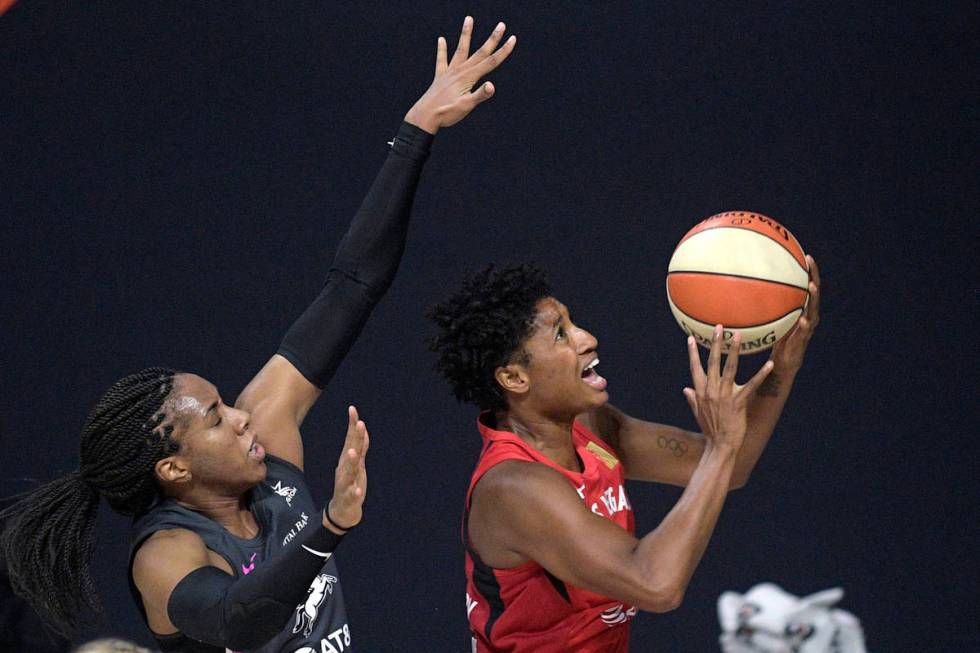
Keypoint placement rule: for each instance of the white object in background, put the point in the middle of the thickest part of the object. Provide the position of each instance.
(767, 619)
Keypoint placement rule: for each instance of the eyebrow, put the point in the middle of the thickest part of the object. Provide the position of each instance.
(557, 323)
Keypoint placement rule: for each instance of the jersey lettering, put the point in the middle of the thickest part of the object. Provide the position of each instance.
(336, 642)
(297, 527)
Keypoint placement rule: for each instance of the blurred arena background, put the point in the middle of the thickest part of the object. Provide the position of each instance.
(174, 177)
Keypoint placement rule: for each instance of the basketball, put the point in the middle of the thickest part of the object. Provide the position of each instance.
(742, 270)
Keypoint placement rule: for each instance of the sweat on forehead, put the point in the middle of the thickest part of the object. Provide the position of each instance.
(191, 397)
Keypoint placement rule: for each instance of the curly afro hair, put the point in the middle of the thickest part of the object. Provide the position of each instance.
(482, 326)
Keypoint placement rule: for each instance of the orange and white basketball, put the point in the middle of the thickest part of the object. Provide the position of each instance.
(742, 270)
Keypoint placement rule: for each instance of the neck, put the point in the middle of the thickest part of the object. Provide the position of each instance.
(231, 512)
(549, 436)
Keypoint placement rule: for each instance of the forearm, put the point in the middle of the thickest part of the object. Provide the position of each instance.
(213, 607)
(372, 248)
(670, 553)
(364, 265)
(764, 409)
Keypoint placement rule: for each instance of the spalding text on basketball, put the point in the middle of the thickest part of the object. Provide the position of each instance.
(741, 218)
(759, 343)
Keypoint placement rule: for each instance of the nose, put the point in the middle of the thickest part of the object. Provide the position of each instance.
(240, 419)
(587, 342)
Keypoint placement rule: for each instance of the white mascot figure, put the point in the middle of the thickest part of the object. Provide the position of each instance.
(767, 619)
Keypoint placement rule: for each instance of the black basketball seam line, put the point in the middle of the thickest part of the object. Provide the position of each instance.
(739, 276)
(737, 326)
(731, 226)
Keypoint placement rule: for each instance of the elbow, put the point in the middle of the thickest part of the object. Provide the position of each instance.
(737, 484)
(249, 637)
(662, 599)
(739, 480)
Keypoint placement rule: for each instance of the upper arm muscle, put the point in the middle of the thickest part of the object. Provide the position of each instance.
(531, 510)
(278, 398)
(160, 564)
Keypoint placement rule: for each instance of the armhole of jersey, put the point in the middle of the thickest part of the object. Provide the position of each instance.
(466, 519)
(285, 463)
(469, 501)
(174, 639)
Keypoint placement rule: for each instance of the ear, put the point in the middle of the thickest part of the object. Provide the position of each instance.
(513, 378)
(172, 469)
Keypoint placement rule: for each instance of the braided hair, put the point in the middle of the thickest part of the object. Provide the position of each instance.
(483, 326)
(47, 536)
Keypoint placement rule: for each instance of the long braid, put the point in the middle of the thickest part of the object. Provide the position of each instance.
(47, 537)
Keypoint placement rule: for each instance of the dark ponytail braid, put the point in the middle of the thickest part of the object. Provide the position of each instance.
(47, 536)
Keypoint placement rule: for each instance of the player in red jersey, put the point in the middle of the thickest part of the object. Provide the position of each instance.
(552, 564)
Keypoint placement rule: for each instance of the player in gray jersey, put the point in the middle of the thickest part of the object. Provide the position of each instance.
(229, 551)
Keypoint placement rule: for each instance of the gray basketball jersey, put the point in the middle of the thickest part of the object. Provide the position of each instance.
(283, 508)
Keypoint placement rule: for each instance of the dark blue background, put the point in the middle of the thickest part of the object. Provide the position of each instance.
(174, 180)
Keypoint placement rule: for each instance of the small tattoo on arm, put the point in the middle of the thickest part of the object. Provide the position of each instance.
(769, 387)
(677, 447)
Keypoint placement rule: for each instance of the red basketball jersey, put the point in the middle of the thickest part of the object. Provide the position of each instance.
(526, 609)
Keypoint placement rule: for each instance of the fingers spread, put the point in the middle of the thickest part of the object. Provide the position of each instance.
(441, 62)
(692, 400)
(694, 358)
(463, 47)
(714, 356)
(494, 59)
(757, 380)
(482, 94)
(731, 362)
(490, 44)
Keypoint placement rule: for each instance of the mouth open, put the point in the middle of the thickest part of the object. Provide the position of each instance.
(256, 451)
(591, 378)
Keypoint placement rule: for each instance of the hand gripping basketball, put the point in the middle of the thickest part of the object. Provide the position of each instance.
(718, 403)
(787, 354)
(350, 479)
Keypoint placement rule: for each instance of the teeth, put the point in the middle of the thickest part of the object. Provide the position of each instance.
(591, 365)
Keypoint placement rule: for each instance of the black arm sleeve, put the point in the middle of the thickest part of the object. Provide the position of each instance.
(364, 266)
(213, 607)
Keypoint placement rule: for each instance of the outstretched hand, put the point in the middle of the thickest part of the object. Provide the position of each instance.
(787, 354)
(350, 479)
(718, 403)
(451, 96)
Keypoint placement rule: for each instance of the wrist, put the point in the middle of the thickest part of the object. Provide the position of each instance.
(783, 368)
(424, 120)
(331, 524)
(726, 450)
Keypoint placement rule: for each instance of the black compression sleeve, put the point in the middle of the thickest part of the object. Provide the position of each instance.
(213, 607)
(364, 266)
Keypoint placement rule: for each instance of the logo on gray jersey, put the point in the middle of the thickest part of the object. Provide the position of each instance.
(306, 613)
(286, 492)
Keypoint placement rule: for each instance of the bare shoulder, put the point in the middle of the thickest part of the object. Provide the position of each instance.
(517, 481)
(160, 564)
(515, 508)
(165, 551)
